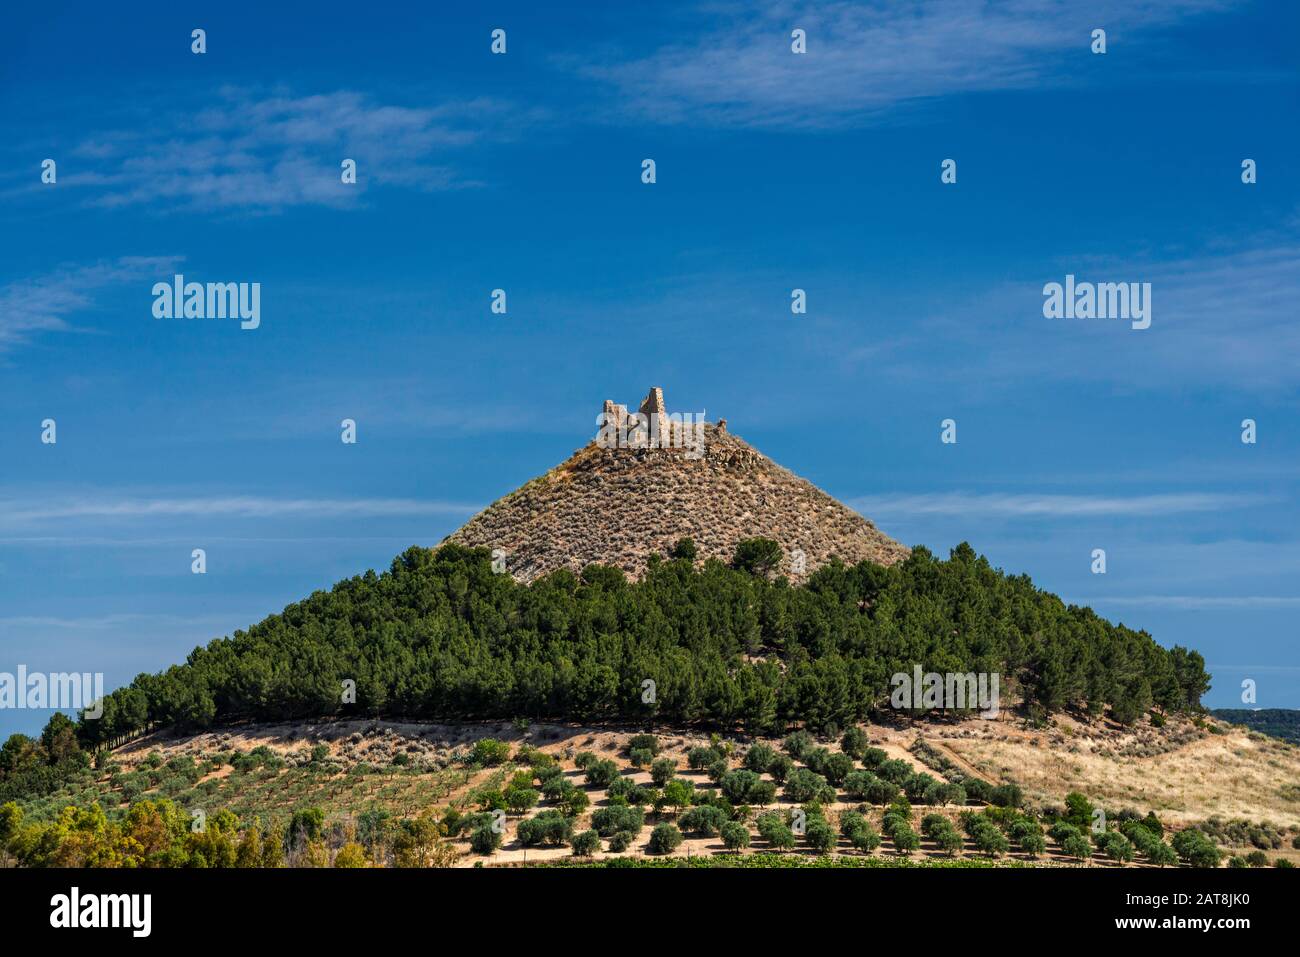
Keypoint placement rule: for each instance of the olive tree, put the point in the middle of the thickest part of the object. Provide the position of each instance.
(759, 758)
(601, 774)
(735, 836)
(819, 835)
(662, 771)
(855, 743)
(585, 844)
(664, 839)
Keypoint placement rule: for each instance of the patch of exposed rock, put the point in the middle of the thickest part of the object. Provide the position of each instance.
(618, 505)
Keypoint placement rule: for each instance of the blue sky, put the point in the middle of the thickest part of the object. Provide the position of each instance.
(522, 172)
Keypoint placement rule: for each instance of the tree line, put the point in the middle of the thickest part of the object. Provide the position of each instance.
(441, 635)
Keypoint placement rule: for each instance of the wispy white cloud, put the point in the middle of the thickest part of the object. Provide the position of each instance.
(864, 59)
(1048, 506)
(1196, 602)
(95, 622)
(19, 511)
(257, 151)
(44, 304)
(1220, 317)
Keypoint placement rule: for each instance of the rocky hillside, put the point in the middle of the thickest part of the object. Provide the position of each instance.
(620, 505)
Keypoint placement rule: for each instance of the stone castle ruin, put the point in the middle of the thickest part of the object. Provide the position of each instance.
(651, 426)
(648, 481)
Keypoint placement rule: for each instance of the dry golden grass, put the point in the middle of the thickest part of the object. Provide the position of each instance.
(1183, 773)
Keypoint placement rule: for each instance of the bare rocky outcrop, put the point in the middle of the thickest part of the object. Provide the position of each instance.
(620, 505)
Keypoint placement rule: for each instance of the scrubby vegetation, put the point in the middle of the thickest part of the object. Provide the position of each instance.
(1281, 723)
(584, 803)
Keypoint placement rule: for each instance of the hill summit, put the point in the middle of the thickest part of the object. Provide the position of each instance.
(652, 477)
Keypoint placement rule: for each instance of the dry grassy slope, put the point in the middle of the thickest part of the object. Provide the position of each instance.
(1183, 773)
(619, 506)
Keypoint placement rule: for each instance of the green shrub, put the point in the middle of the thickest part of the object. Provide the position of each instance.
(797, 743)
(735, 836)
(803, 786)
(949, 841)
(610, 820)
(684, 549)
(873, 758)
(601, 774)
(759, 758)
(553, 787)
(664, 839)
(305, 825)
(1077, 846)
(780, 768)
(864, 838)
(1119, 848)
(698, 759)
(485, 839)
(932, 823)
(738, 786)
(585, 844)
(547, 827)
(836, 767)
(905, 839)
(991, 841)
(819, 835)
(758, 556)
(1196, 849)
(942, 793)
(894, 770)
(573, 801)
(1007, 795)
(855, 743)
(518, 800)
(621, 841)
(978, 790)
(662, 771)
(488, 752)
(1162, 855)
(1061, 832)
(773, 828)
(643, 742)
(704, 819)
(916, 785)
(679, 793)
(1032, 844)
